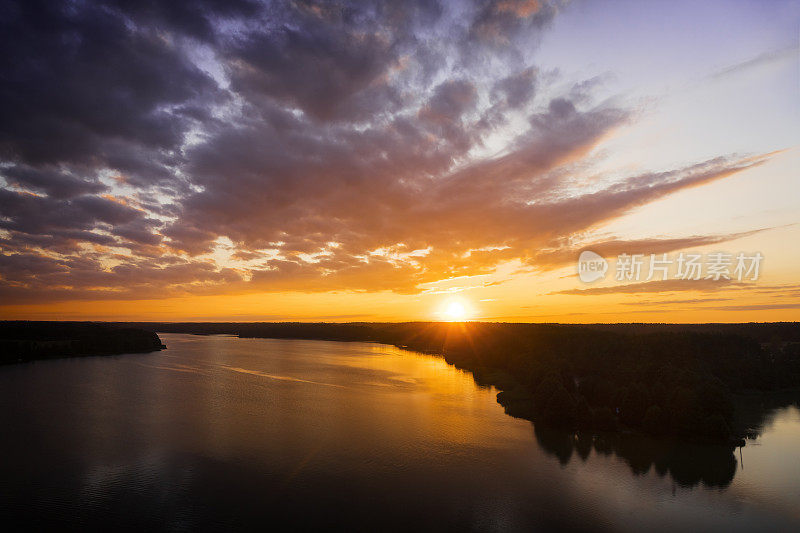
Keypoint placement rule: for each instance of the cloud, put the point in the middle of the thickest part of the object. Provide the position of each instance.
(154, 149)
(83, 84)
(498, 21)
(70, 219)
(755, 62)
(668, 285)
(692, 301)
(517, 89)
(566, 255)
(32, 278)
(450, 100)
(318, 68)
(54, 182)
(758, 307)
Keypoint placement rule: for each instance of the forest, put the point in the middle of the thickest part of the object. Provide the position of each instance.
(23, 341)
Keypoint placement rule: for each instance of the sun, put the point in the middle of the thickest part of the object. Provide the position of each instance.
(456, 311)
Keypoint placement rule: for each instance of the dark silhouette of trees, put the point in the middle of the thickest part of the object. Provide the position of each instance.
(26, 341)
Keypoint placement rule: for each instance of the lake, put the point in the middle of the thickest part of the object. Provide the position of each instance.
(219, 432)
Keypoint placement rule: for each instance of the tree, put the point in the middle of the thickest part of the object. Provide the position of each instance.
(653, 422)
(560, 408)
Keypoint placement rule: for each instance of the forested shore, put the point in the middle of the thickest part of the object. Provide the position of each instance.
(22, 341)
(662, 379)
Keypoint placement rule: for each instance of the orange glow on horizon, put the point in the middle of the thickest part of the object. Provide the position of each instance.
(456, 310)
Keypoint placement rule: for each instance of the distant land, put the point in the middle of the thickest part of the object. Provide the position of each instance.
(700, 382)
(27, 341)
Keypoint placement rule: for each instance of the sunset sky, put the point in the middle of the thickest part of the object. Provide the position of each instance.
(383, 160)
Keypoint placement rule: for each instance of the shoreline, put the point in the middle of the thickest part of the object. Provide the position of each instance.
(519, 402)
(689, 385)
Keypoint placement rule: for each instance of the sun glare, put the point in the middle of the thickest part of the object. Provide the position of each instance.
(456, 311)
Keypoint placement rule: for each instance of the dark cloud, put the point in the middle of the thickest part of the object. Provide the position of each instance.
(517, 89)
(79, 77)
(30, 278)
(317, 71)
(40, 215)
(54, 182)
(332, 60)
(196, 18)
(450, 100)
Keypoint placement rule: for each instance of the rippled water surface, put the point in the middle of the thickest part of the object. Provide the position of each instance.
(219, 432)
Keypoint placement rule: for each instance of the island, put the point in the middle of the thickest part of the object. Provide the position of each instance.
(23, 341)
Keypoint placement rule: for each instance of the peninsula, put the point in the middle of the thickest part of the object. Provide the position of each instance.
(22, 341)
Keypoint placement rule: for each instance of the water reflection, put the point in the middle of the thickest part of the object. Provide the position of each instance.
(686, 464)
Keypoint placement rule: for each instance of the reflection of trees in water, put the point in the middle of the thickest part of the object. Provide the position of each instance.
(688, 464)
(758, 410)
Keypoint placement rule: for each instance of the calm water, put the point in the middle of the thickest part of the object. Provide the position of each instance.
(222, 432)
